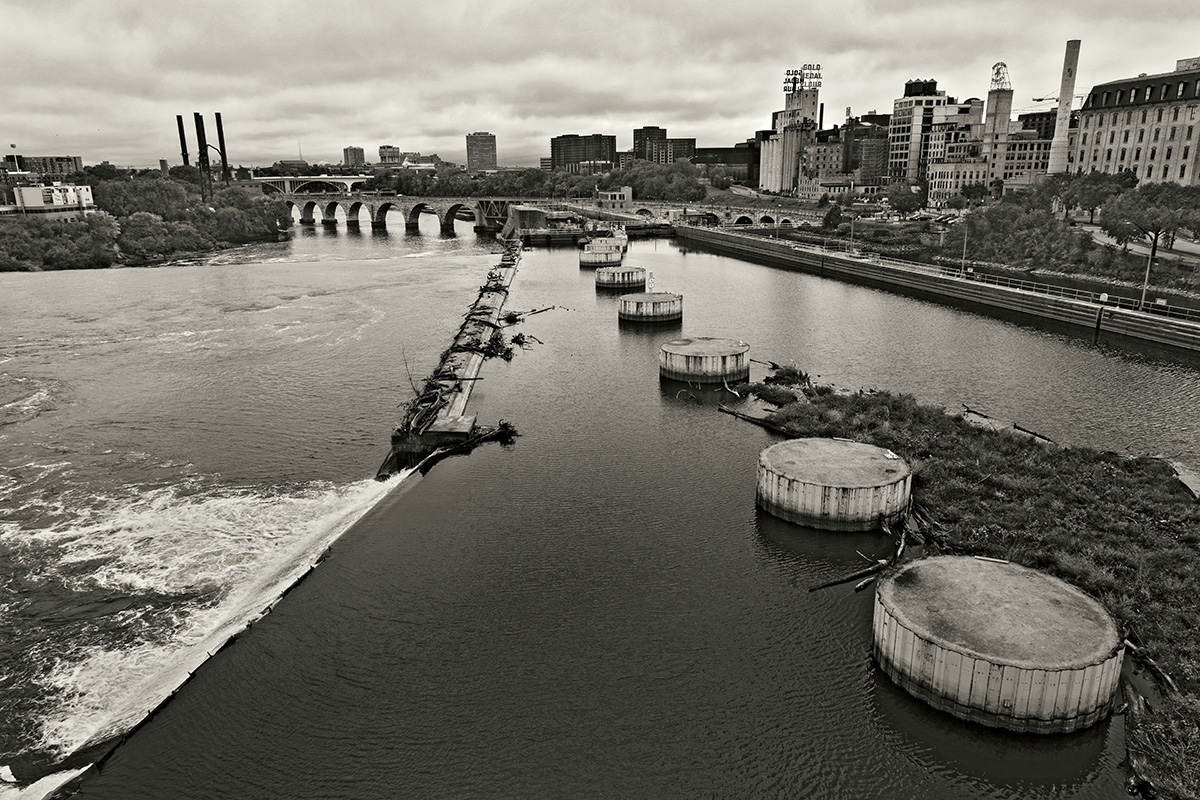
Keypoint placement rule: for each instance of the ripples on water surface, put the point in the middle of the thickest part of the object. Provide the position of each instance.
(176, 442)
(598, 610)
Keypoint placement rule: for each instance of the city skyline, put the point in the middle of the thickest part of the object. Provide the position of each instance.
(294, 81)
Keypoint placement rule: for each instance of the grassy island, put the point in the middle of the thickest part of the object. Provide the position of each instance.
(1123, 529)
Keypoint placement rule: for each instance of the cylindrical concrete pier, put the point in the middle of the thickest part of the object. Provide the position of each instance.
(997, 643)
(620, 278)
(834, 484)
(604, 252)
(650, 307)
(704, 359)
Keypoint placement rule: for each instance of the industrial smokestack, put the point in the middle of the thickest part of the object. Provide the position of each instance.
(1062, 121)
(182, 139)
(201, 144)
(221, 147)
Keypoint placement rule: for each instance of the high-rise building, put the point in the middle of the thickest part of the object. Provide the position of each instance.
(644, 137)
(353, 157)
(668, 151)
(47, 166)
(909, 129)
(1149, 124)
(390, 154)
(568, 150)
(481, 152)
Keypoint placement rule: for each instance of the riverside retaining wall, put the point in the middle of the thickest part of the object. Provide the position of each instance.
(1101, 322)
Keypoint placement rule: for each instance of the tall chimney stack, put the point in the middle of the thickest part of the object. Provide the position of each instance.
(182, 139)
(221, 147)
(1062, 122)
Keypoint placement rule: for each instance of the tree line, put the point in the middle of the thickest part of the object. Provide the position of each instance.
(1035, 229)
(678, 182)
(140, 219)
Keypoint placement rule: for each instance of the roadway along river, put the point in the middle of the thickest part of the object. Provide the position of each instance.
(597, 611)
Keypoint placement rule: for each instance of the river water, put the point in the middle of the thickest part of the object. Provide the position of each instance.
(597, 610)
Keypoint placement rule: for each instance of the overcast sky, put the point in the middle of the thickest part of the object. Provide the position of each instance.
(104, 79)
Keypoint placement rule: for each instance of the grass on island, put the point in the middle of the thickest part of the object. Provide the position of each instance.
(1122, 529)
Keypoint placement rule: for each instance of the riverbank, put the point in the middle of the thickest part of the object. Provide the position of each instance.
(1123, 529)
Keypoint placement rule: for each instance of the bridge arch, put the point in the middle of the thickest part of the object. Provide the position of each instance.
(413, 220)
(329, 213)
(352, 212)
(743, 220)
(452, 214)
(765, 220)
(645, 212)
(379, 213)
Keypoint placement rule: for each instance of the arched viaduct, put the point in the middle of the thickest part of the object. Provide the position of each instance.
(489, 213)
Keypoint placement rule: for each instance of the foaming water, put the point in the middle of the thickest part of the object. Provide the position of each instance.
(241, 551)
(180, 446)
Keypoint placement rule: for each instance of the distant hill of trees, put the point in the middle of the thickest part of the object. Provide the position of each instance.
(676, 182)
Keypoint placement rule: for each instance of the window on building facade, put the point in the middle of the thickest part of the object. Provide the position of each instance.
(1112, 135)
(1122, 153)
(1149, 94)
(1141, 136)
(1182, 170)
(1166, 171)
(1182, 86)
(1158, 116)
(1125, 136)
(1087, 121)
(1186, 148)
(1128, 117)
(1143, 115)
(1171, 134)
(1095, 155)
(1175, 114)
(1155, 139)
(1137, 154)
(1108, 154)
(1114, 119)
(1084, 139)
(1104, 101)
(1166, 90)
(1167, 155)
(1153, 150)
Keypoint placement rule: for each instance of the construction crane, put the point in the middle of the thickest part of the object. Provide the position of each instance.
(1054, 98)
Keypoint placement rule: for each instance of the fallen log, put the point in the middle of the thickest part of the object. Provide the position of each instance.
(879, 565)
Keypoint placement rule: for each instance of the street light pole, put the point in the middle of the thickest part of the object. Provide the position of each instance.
(1146, 279)
(962, 270)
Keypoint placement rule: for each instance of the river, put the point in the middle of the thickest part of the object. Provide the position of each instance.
(597, 610)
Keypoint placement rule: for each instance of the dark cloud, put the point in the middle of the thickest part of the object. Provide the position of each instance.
(108, 81)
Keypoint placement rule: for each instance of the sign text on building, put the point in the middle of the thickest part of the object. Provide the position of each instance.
(807, 77)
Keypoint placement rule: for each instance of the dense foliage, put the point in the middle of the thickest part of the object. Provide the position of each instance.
(140, 220)
(675, 182)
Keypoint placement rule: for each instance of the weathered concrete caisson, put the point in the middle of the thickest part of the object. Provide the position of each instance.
(835, 484)
(997, 643)
(650, 307)
(623, 278)
(704, 359)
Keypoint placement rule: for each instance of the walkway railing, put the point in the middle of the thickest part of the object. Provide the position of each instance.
(954, 272)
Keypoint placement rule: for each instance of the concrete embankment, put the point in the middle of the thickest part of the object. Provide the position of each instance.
(1101, 323)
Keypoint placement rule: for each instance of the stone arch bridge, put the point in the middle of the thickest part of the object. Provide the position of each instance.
(490, 213)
